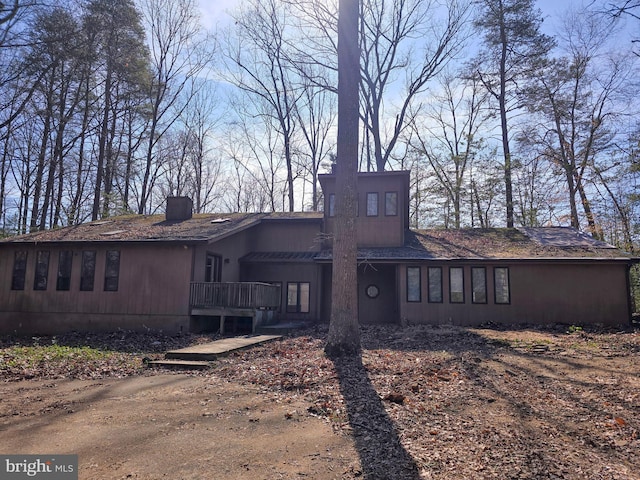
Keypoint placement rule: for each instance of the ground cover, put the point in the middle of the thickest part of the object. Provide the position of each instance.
(421, 402)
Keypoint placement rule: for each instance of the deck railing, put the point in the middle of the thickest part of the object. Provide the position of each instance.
(234, 295)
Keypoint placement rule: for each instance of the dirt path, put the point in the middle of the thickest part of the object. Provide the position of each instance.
(170, 426)
(421, 403)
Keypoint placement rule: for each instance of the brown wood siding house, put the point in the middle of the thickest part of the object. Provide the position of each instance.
(150, 272)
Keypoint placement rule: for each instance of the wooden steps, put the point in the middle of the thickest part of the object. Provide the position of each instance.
(202, 356)
(181, 364)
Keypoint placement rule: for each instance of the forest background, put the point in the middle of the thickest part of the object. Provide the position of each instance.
(505, 114)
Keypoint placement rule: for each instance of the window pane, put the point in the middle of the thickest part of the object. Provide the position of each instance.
(372, 204)
(213, 268)
(64, 270)
(87, 274)
(304, 298)
(435, 284)
(332, 205)
(292, 297)
(501, 280)
(456, 285)
(19, 271)
(112, 271)
(391, 203)
(42, 271)
(479, 285)
(413, 284)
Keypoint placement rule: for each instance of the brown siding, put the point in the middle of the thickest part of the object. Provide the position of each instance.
(380, 230)
(153, 291)
(577, 294)
(286, 236)
(288, 272)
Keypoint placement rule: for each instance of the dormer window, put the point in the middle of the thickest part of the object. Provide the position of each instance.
(372, 204)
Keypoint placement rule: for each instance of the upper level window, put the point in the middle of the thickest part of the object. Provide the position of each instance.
(63, 281)
(372, 204)
(501, 283)
(391, 203)
(19, 270)
(112, 271)
(456, 285)
(42, 270)
(435, 284)
(87, 270)
(478, 285)
(414, 287)
(331, 205)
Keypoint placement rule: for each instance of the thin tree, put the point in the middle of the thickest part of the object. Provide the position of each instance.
(513, 48)
(179, 54)
(449, 140)
(260, 66)
(344, 333)
(411, 40)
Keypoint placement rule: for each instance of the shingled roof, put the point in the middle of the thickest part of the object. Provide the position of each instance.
(148, 228)
(493, 244)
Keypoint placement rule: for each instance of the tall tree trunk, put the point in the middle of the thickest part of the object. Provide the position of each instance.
(102, 146)
(37, 186)
(344, 333)
(502, 99)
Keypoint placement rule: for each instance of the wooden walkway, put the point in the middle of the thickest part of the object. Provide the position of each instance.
(201, 356)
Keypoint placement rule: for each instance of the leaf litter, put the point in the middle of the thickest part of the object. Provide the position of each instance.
(422, 402)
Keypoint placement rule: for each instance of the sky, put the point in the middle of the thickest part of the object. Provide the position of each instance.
(214, 11)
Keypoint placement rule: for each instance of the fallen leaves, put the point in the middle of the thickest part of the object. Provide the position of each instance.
(446, 402)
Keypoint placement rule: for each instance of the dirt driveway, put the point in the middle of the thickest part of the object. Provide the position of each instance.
(421, 403)
(170, 426)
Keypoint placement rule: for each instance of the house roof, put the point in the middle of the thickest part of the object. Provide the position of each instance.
(433, 244)
(146, 228)
(552, 243)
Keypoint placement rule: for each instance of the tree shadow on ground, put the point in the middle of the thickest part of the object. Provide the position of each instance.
(382, 455)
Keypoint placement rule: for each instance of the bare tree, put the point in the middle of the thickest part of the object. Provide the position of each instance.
(394, 60)
(316, 118)
(448, 138)
(259, 66)
(579, 96)
(179, 53)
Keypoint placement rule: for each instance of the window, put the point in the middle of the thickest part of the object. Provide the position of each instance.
(372, 291)
(391, 204)
(435, 284)
(213, 268)
(501, 282)
(65, 259)
(456, 285)
(298, 297)
(478, 285)
(372, 204)
(331, 207)
(87, 271)
(414, 293)
(42, 270)
(19, 270)
(112, 271)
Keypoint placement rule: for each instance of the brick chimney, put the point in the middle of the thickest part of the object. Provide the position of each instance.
(179, 208)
